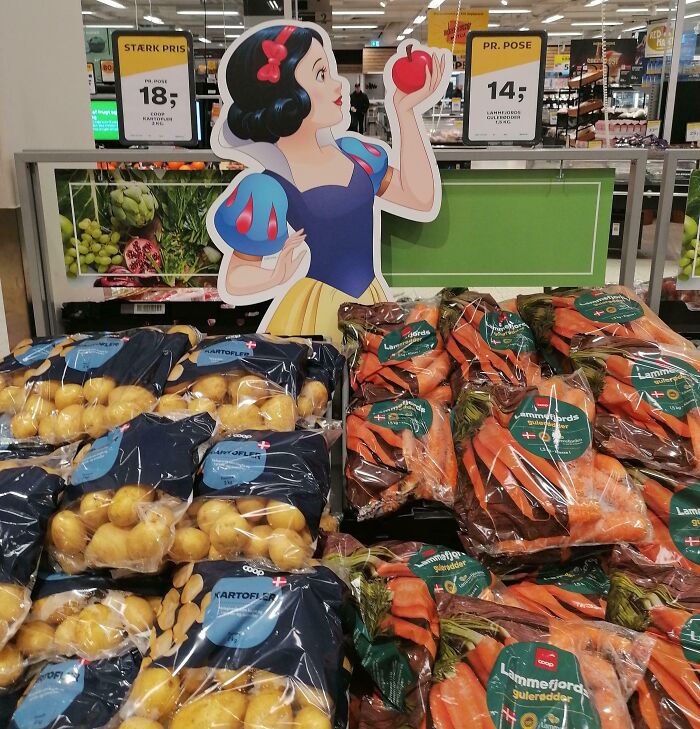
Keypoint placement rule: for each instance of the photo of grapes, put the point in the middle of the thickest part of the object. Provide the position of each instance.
(689, 263)
(131, 227)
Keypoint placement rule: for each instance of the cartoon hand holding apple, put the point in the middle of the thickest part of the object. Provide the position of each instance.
(417, 75)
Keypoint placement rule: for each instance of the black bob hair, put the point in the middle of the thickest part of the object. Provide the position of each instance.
(262, 111)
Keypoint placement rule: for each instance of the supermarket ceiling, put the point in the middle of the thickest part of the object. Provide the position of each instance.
(214, 23)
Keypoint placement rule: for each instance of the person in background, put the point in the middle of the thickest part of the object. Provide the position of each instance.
(359, 104)
(457, 93)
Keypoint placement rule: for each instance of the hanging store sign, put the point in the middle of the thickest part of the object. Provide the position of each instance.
(448, 29)
(505, 80)
(154, 74)
(659, 40)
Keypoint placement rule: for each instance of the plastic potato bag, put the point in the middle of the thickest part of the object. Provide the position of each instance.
(501, 667)
(570, 591)
(664, 601)
(77, 694)
(126, 492)
(29, 494)
(399, 450)
(487, 343)
(394, 627)
(260, 496)
(530, 479)
(98, 382)
(648, 398)
(248, 381)
(397, 348)
(556, 318)
(673, 507)
(234, 642)
(323, 371)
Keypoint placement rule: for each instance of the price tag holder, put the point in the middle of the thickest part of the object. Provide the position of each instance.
(505, 84)
(154, 74)
(692, 132)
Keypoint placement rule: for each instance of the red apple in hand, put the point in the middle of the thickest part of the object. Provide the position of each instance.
(409, 72)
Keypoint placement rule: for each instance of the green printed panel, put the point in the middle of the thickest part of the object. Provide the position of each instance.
(506, 228)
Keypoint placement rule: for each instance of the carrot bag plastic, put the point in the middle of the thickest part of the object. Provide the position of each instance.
(91, 617)
(78, 694)
(98, 381)
(29, 493)
(323, 371)
(234, 641)
(248, 381)
(126, 492)
(663, 601)
(500, 667)
(488, 343)
(530, 479)
(395, 348)
(648, 398)
(394, 625)
(556, 318)
(673, 507)
(399, 450)
(258, 495)
(574, 590)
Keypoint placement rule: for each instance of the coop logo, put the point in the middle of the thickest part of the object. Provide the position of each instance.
(546, 659)
(541, 403)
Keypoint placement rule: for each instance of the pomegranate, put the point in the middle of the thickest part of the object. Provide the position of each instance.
(117, 276)
(142, 256)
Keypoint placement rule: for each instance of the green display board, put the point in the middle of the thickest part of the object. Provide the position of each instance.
(506, 228)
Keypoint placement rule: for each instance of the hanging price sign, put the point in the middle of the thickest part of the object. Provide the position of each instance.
(154, 73)
(505, 81)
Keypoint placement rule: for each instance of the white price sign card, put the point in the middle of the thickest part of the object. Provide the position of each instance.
(505, 81)
(154, 73)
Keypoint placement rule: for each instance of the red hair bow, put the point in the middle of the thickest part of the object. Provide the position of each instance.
(275, 52)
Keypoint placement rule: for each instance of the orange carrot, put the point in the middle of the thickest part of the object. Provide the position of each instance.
(693, 418)
(438, 708)
(646, 706)
(409, 631)
(482, 659)
(473, 472)
(669, 620)
(657, 498)
(465, 699)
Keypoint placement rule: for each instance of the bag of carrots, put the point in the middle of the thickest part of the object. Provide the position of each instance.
(394, 626)
(556, 318)
(530, 479)
(648, 398)
(395, 348)
(487, 343)
(500, 667)
(399, 450)
(673, 507)
(571, 591)
(663, 601)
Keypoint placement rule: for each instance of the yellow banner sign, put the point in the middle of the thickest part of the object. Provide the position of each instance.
(659, 39)
(445, 30)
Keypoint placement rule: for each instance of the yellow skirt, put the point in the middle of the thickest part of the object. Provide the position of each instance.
(311, 307)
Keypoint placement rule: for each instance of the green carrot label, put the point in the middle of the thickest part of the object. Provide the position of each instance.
(409, 341)
(684, 521)
(584, 578)
(690, 639)
(539, 686)
(667, 383)
(503, 330)
(551, 428)
(388, 667)
(415, 415)
(607, 308)
(446, 570)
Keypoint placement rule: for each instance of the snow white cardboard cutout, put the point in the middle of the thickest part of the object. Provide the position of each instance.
(301, 225)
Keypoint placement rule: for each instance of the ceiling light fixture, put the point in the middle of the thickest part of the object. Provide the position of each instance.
(225, 27)
(632, 10)
(661, 10)
(553, 19)
(112, 4)
(504, 2)
(508, 11)
(494, 25)
(597, 23)
(407, 31)
(565, 33)
(109, 25)
(419, 19)
(202, 39)
(358, 12)
(692, 15)
(87, 12)
(382, 4)
(400, 37)
(153, 19)
(205, 12)
(524, 28)
(434, 4)
(354, 27)
(233, 35)
(594, 3)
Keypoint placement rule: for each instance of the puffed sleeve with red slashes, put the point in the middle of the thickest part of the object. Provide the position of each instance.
(253, 218)
(372, 158)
